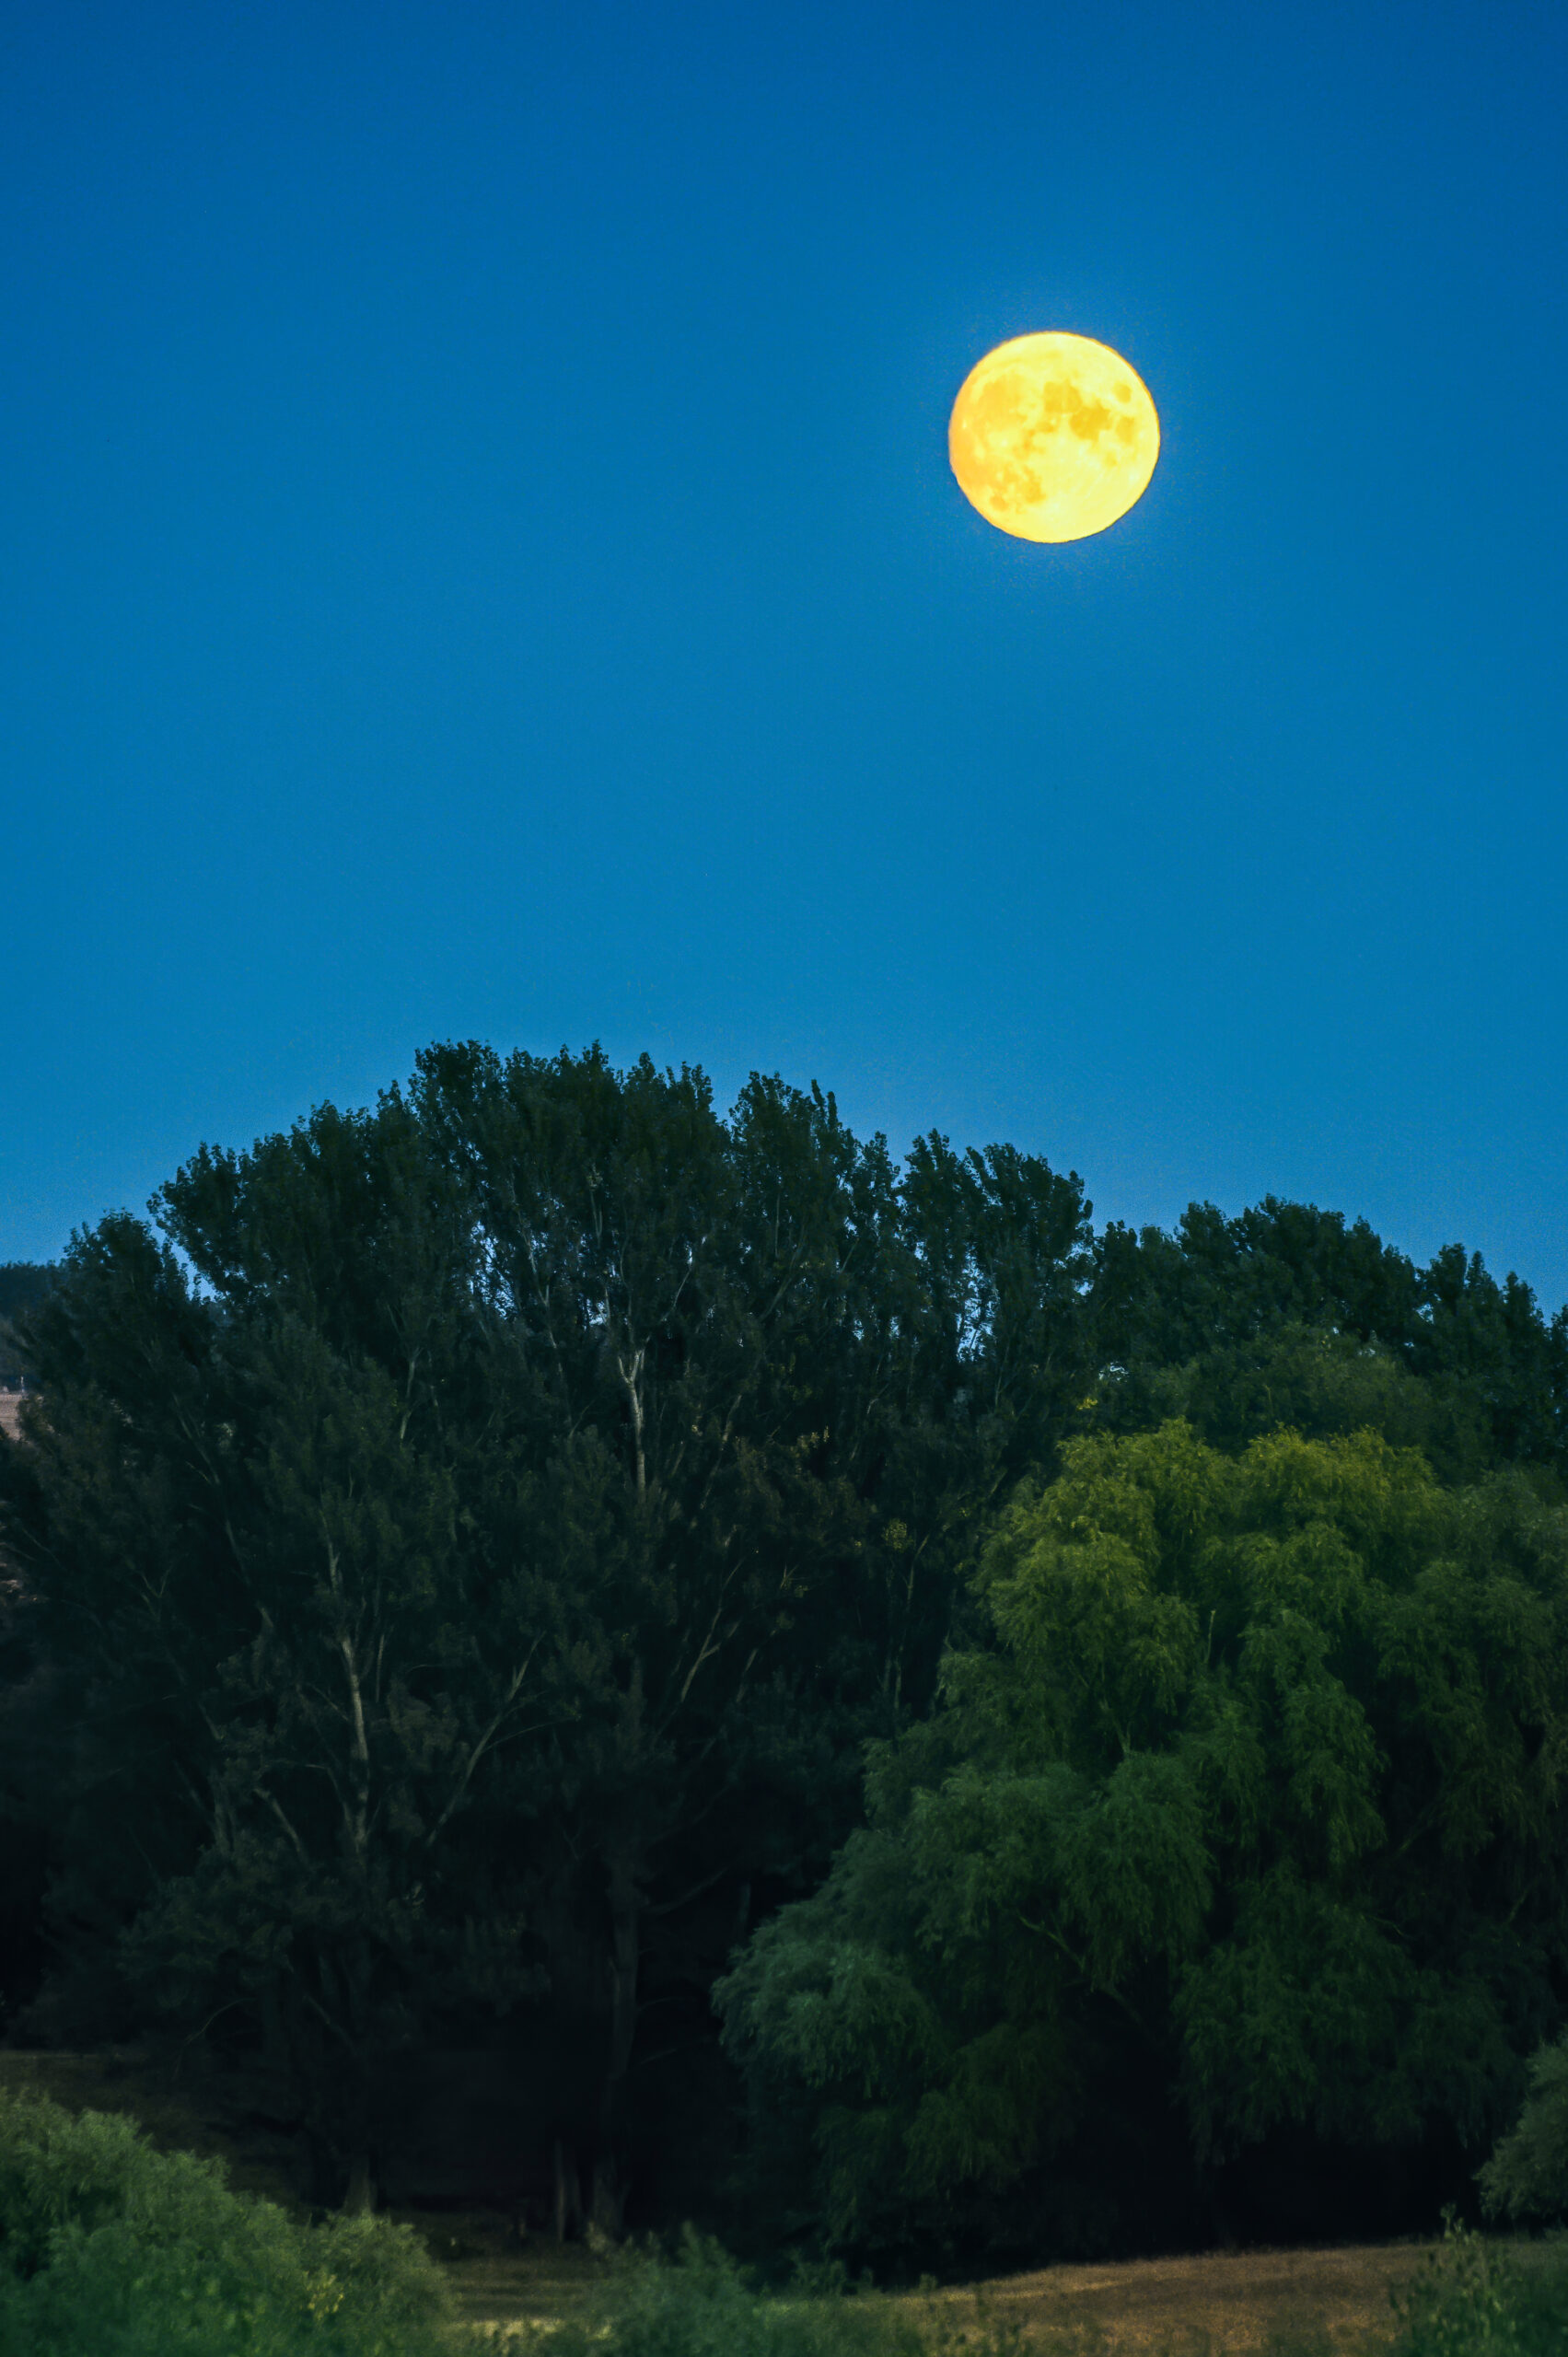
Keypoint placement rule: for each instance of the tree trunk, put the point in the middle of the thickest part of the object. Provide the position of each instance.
(277, 2076)
(568, 2192)
(626, 1923)
(610, 2200)
(1221, 2225)
(360, 2198)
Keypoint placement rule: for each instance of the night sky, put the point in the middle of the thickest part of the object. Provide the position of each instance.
(481, 560)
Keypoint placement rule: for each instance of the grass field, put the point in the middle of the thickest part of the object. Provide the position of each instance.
(1221, 2300)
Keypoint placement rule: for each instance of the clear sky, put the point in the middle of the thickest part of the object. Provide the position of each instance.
(480, 560)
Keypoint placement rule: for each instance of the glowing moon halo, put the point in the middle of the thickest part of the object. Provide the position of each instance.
(1052, 437)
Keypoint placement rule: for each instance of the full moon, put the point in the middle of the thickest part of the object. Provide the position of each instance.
(1053, 436)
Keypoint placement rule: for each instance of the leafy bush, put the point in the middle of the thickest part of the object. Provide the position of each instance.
(1473, 2299)
(1528, 2175)
(109, 2248)
(702, 2304)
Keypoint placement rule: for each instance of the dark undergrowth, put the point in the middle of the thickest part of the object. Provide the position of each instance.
(110, 2248)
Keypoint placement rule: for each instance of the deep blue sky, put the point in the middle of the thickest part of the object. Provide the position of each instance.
(480, 560)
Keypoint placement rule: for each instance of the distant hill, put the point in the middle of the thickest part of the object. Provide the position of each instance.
(21, 1284)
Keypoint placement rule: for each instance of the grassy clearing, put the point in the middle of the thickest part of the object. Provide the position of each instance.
(1323, 2303)
(1225, 2301)
(1218, 2300)
(494, 2283)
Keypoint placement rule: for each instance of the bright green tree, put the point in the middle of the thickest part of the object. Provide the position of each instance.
(1250, 1822)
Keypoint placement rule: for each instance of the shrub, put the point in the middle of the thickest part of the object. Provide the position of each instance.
(1473, 2299)
(1527, 2174)
(109, 2248)
(702, 2304)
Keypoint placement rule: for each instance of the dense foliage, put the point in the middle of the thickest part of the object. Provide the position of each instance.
(462, 1550)
(469, 1548)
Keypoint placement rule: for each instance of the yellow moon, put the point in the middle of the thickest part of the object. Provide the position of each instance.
(1053, 436)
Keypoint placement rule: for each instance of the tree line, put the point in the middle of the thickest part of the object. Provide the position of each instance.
(938, 1724)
